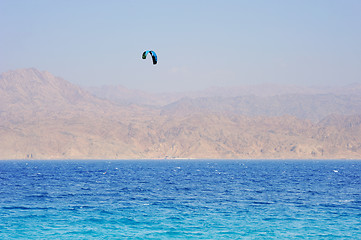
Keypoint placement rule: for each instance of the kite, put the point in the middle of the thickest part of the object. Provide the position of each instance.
(153, 54)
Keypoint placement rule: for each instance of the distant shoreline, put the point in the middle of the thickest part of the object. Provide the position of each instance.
(188, 159)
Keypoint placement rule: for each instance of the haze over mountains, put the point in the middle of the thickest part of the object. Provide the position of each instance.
(46, 117)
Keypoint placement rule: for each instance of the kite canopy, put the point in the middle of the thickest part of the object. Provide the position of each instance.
(153, 54)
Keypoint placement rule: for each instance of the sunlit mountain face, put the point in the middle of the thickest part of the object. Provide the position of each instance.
(47, 117)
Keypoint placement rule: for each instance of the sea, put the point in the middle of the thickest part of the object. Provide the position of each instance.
(180, 199)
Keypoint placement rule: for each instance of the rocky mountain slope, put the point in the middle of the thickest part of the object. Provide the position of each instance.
(259, 100)
(312, 107)
(45, 117)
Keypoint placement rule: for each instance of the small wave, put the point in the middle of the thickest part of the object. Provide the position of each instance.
(38, 195)
(25, 208)
(128, 221)
(262, 202)
(16, 208)
(76, 208)
(106, 212)
(346, 201)
(96, 220)
(331, 205)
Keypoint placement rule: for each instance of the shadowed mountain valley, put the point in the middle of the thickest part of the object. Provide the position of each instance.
(46, 117)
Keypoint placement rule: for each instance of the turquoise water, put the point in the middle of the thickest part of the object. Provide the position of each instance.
(201, 199)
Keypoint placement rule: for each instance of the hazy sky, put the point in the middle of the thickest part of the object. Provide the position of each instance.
(199, 43)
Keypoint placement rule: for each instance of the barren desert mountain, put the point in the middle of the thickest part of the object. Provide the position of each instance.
(121, 94)
(258, 100)
(46, 117)
(311, 107)
(30, 93)
(32, 88)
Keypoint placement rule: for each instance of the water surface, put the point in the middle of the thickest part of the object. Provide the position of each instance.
(187, 199)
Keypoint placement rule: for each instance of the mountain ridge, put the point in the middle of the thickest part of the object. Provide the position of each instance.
(45, 117)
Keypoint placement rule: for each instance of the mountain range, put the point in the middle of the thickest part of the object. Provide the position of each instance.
(47, 117)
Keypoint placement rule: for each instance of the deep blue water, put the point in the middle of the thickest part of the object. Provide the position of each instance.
(182, 199)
